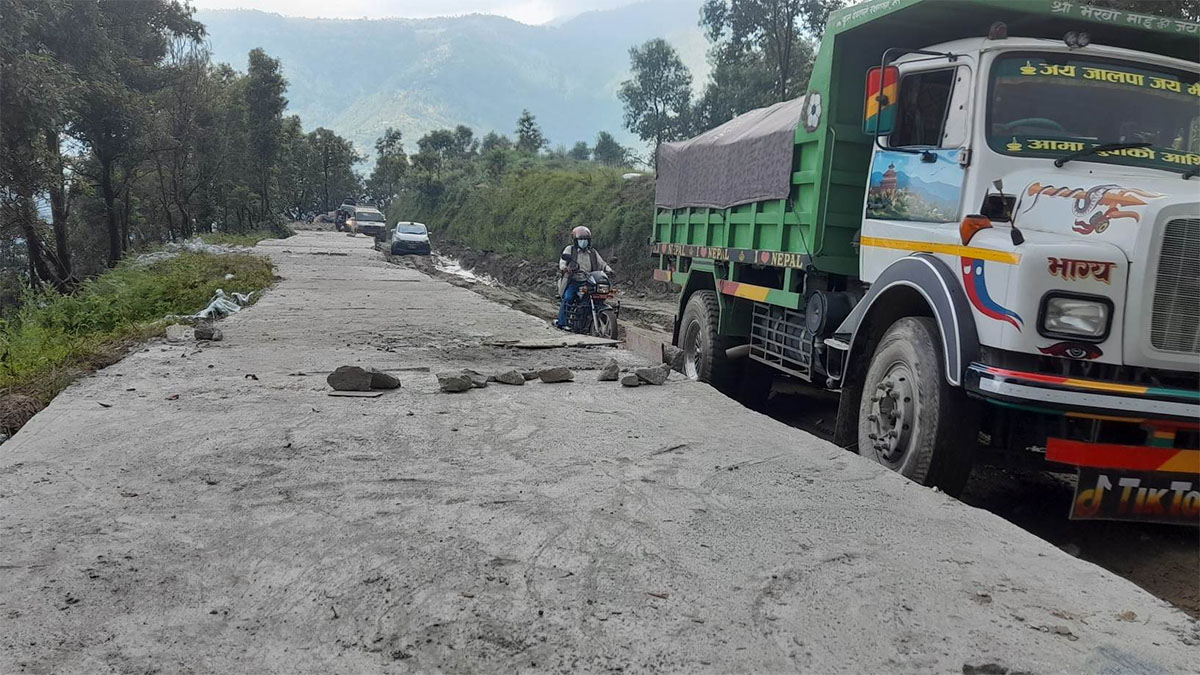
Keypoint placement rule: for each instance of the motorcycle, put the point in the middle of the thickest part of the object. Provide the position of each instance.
(591, 313)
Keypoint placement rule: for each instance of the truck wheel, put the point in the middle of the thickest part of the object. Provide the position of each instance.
(911, 419)
(703, 347)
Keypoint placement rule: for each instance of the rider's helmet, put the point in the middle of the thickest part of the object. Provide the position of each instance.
(581, 232)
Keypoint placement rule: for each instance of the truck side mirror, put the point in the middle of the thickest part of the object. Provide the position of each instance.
(879, 113)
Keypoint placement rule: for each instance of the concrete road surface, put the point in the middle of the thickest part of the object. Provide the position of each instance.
(210, 509)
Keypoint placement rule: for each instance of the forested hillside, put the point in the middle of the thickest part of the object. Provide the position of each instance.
(359, 77)
(120, 132)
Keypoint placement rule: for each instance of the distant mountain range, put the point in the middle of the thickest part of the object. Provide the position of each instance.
(358, 77)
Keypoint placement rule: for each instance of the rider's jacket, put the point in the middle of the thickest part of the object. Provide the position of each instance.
(586, 260)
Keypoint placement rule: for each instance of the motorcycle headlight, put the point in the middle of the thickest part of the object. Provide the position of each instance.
(603, 288)
(1075, 316)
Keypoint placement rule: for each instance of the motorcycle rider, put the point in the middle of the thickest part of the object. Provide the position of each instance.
(577, 261)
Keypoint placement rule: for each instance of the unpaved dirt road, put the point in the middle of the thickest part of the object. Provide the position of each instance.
(173, 514)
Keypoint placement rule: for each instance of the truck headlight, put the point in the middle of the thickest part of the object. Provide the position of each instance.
(1075, 316)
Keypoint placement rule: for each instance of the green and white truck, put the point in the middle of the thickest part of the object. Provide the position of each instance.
(981, 226)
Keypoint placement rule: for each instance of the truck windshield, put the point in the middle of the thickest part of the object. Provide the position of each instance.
(1051, 104)
(369, 217)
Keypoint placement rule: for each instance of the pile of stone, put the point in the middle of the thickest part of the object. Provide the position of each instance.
(357, 378)
(204, 330)
(465, 380)
(458, 381)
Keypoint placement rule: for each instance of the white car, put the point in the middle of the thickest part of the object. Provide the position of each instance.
(410, 237)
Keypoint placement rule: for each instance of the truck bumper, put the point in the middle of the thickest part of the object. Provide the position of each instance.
(1155, 482)
(1056, 393)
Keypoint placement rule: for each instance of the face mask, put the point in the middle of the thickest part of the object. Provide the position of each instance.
(583, 243)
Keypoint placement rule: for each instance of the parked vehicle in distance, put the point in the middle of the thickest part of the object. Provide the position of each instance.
(366, 220)
(410, 237)
(343, 213)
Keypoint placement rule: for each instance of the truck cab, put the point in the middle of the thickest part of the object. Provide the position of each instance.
(1002, 263)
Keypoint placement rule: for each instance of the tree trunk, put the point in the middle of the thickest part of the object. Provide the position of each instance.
(110, 212)
(59, 211)
(39, 271)
(125, 220)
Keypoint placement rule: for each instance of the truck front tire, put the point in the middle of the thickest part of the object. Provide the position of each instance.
(703, 347)
(911, 419)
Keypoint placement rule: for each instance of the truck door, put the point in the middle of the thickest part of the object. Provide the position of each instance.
(915, 187)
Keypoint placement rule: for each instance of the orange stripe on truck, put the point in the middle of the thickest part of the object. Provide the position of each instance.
(1114, 456)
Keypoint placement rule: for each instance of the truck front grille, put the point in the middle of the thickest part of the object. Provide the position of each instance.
(1175, 314)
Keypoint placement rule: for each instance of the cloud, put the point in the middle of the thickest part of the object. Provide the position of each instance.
(525, 11)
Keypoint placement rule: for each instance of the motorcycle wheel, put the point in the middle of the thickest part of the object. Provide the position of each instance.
(606, 324)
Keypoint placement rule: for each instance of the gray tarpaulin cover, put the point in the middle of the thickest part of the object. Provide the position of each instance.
(747, 159)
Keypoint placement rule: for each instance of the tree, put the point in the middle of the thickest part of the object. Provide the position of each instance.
(464, 144)
(265, 104)
(391, 165)
(298, 175)
(333, 157)
(608, 151)
(494, 140)
(441, 147)
(768, 31)
(114, 50)
(34, 89)
(737, 83)
(530, 139)
(580, 151)
(658, 98)
(186, 151)
(495, 162)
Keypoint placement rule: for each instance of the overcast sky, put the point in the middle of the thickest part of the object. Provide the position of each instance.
(525, 11)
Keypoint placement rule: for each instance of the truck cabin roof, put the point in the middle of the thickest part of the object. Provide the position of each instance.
(918, 23)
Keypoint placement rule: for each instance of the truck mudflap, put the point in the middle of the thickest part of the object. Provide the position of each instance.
(1157, 482)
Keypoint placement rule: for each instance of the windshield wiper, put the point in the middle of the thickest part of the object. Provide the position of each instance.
(1106, 147)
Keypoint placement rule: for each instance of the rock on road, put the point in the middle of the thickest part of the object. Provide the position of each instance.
(210, 522)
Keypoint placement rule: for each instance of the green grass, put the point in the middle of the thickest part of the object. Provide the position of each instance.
(53, 338)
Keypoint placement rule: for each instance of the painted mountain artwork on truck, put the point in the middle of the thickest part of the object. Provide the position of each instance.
(904, 187)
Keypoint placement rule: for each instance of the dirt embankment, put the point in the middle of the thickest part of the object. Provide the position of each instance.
(538, 276)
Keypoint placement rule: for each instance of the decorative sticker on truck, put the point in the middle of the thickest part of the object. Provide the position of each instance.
(812, 111)
(1070, 269)
(1072, 350)
(738, 255)
(1137, 496)
(1097, 207)
(1167, 158)
(1035, 67)
(905, 187)
(1116, 16)
(1043, 105)
(977, 292)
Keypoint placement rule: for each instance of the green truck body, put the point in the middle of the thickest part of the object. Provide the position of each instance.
(817, 284)
(829, 174)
